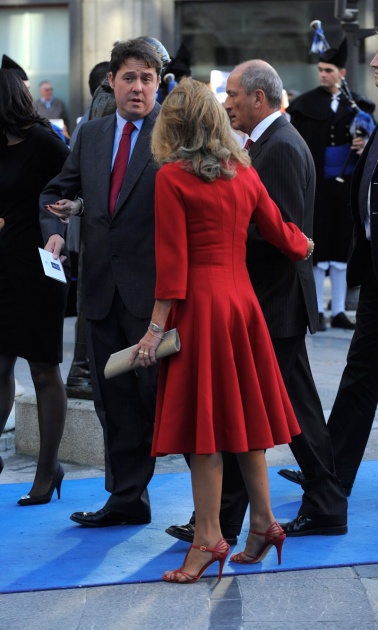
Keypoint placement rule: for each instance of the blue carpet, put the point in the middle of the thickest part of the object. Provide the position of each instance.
(40, 548)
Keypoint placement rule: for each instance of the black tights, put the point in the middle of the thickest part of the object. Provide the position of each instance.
(51, 406)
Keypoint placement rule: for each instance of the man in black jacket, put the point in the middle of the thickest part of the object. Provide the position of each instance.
(356, 402)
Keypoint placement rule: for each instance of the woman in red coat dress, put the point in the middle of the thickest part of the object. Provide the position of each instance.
(223, 391)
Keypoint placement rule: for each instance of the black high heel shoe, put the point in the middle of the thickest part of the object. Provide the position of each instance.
(45, 498)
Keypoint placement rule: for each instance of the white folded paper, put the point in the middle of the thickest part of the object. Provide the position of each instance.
(52, 268)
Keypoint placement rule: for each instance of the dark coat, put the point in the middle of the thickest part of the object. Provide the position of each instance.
(119, 252)
(360, 247)
(312, 116)
(286, 290)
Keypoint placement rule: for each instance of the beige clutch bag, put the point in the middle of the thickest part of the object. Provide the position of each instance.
(119, 362)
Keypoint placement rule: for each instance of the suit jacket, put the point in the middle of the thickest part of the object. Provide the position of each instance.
(361, 248)
(286, 290)
(118, 252)
(57, 109)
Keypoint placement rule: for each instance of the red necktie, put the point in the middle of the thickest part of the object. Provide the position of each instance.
(120, 165)
(248, 144)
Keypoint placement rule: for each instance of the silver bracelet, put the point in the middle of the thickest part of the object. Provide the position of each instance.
(313, 247)
(156, 328)
(154, 334)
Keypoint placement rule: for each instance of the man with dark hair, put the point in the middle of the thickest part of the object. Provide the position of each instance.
(103, 104)
(118, 269)
(96, 76)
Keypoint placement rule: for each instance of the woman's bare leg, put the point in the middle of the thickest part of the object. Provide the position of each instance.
(255, 474)
(206, 474)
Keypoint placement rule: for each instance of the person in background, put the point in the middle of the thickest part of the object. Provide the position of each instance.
(324, 118)
(223, 391)
(9, 64)
(32, 305)
(118, 269)
(96, 76)
(50, 107)
(292, 95)
(178, 68)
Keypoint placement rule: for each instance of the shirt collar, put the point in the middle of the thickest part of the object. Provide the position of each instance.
(264, 124)
(121, 122)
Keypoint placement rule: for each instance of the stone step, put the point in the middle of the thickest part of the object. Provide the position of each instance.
(82, 441)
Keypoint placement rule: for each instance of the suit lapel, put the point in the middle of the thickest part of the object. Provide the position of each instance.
(103, 160)
(256, 148)
(139, 159)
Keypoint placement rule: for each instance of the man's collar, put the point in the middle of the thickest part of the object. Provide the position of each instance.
(121, 122)
(264, 124)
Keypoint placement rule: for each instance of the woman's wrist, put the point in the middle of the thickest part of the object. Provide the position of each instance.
(158, 336)
(155, 328)
(312, 247)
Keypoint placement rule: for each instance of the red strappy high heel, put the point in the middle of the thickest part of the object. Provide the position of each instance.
(219, 553)
(274, 537)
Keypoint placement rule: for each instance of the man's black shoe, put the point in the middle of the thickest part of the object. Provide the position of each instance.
(186, 533)
(296, 476)
(104, 518)
(322, 326)
(305, 526)
(341, 321)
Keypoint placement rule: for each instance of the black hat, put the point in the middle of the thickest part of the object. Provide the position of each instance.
(8, 64)
(180, 64)
(336, 56)
(159, 48)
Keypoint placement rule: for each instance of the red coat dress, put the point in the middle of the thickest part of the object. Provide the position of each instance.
(223, 391)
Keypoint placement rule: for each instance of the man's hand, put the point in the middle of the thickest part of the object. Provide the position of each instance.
(55, 245)
(359, 143)
(64, 209)
(2, 223)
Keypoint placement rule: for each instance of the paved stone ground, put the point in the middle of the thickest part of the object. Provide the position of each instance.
(330, 599)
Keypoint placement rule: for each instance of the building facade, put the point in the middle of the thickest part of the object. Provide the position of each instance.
(62, 40)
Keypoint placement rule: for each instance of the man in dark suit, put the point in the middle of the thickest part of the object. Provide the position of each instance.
(356, 402)
(286, 292)
(118, 270)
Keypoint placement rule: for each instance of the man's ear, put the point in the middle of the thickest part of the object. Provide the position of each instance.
(259, 96)
(342, 72)
(111, 80)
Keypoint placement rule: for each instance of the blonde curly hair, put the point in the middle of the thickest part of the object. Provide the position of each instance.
(193, 128)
